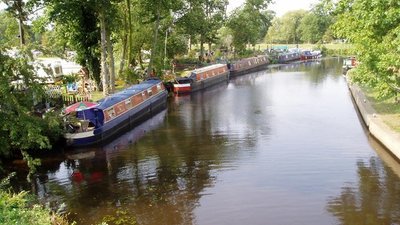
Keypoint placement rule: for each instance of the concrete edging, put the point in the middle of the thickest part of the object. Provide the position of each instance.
(389, 138)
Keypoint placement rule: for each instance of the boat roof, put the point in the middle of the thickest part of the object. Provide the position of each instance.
(202, 69)
(126, 93)
(250, 58)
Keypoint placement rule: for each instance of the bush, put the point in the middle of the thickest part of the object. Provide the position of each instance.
(20, 209)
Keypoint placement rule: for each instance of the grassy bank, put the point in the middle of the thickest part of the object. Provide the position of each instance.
(388, 108)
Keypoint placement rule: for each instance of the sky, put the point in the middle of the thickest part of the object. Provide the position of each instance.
(280, 6)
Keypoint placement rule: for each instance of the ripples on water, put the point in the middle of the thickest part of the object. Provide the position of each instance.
(281, 146)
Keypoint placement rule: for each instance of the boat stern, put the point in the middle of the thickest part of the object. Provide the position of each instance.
(182, 88)
(81, 138)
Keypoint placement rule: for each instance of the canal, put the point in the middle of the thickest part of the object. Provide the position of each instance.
(280, 146)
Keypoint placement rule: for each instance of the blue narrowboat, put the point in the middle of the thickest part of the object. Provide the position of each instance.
(115, 113)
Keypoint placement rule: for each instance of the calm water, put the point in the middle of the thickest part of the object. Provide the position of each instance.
(281, 146)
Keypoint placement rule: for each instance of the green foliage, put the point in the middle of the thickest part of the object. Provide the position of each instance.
(20, 128)
(14, 210)
(287, 29)
(303, 26)
(310, 29)
(373, 27)
(70, 78)
(8, 30)
(21, 209)
(77, 28)
(201, 21)
(248, 24)
(122, 218)
(132, 76)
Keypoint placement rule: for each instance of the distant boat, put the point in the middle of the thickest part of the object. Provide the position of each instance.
(111, 115)
(288, 57)
(307, 54)
(202, 78)
(248, 65)
(349, 63)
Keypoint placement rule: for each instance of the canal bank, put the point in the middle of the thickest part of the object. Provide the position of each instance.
(376, 126)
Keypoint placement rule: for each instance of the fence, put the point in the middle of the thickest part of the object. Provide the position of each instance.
(55, 93)
(73, 98)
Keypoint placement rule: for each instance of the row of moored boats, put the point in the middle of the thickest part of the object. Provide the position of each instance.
(126, 109)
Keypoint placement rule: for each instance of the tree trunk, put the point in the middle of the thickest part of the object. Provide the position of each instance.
(104, 67)
(124, 45)
(130, 34)
(19, 5)
(111, 61)
(201, 57)
(190, 44)
(140, 58)
(21, 31)
(155, 39)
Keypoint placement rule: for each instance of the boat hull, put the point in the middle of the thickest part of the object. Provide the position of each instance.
(120, 124)
(194, 86)
(182, 88)
(288, 57)
(202, 84)
(239, 72)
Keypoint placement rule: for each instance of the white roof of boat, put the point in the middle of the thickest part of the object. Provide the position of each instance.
(199, 70)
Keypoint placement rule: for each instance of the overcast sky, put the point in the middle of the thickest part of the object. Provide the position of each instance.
(280, 6)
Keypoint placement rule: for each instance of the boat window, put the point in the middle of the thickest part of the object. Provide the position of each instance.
(128, 103)
(150, 92)
(111, 113)
(159, 87)
(144, 95)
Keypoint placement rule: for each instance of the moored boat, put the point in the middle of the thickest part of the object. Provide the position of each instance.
(248, 65)
(288, 57)
(115, 113)
(307, 55)
(202, 78)
(349, 63)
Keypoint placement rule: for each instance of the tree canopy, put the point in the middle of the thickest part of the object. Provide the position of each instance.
(20, 91)
(372, 26)
(249, 23)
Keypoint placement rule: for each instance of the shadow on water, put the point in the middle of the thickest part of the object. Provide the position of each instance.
(156, 172)
(375, 198)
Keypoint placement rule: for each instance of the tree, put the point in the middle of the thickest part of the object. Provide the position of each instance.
(19, 11)
(9, 30)
(248, 23)
(155, 11)
(287, 28)
(201, 20)
(315, 23)
(275, 32)
(373, 27)
(78, 21)
(20, 129)
(291, 25)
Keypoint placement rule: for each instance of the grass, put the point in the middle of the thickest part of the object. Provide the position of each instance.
(388, 108)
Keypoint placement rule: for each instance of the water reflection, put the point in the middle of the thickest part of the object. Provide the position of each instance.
(268, 146)
(375, 197)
